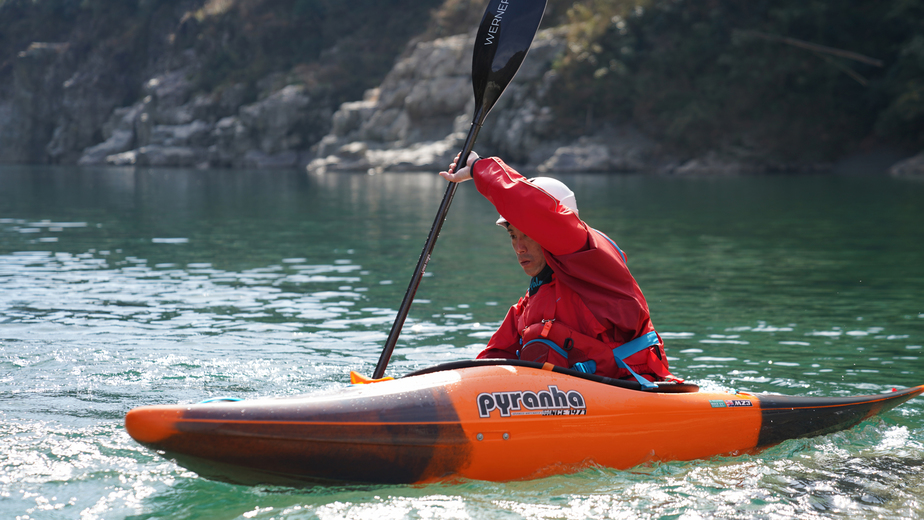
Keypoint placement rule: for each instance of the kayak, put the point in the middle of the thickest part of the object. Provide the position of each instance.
(493, 420)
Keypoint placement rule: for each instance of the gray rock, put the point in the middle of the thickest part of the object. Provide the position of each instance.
(231, 140)
(31, 101)
(170, 90)
(119, 132)
(333, 163)
(231, 98)
(9, 122)
(260, 160)
(423, 156)
(610, 150)
(163, 156)
(65, 105)
(149, 122)
(713, 164)
(174, 116)
(406, 124)
(391, 125)
(88, 109)
(196, 133)
(438, 97)
(267, 134)
(348, 119)
(206, 108)
(277, 120)
(423, 109)
(122, 118)
(588, 157)
(120, 141)
(912, 166)
(129, 158)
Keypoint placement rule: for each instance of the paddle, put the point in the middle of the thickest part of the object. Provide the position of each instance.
(504, 36)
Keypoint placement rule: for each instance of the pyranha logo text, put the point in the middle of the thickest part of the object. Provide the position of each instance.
(545, 402)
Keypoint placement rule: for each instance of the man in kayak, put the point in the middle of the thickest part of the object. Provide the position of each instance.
(583, 309)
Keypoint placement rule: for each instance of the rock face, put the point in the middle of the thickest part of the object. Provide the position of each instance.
(409, 123)
(421, 114)
(54, 109)
(62, 105)
(58, 111)
(31, 104)
(172, 128)
(610, 150)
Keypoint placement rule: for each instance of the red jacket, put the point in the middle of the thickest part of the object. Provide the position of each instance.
(592, 291)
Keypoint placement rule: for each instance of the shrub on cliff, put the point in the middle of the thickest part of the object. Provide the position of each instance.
(346, 46)
(795, 80)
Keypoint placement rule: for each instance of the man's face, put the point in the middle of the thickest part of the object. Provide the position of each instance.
(529, 252)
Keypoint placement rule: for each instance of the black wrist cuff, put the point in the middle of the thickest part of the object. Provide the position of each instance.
(471, 167)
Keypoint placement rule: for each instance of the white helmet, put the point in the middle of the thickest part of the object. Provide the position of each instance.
(555, 188)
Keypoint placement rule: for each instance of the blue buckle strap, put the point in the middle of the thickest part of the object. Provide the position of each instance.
(619, 354)
(551, 345)
(587, 367)
(636, 345)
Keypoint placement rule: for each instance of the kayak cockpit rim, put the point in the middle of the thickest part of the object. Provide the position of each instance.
(672, 387)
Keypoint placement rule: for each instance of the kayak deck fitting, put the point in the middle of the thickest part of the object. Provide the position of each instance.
(487, 420)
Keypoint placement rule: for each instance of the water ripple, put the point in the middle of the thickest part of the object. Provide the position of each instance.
(138, 287)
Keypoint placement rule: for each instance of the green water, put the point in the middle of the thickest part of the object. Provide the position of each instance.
(121, 288)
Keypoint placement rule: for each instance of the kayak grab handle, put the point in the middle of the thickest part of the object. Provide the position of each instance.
(661, 387)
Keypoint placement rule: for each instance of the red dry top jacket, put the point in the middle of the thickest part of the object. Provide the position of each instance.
(591, 292)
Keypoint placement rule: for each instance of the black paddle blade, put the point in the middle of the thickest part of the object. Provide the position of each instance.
(504, 36)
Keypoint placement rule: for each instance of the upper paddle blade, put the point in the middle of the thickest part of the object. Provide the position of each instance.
(504, 36)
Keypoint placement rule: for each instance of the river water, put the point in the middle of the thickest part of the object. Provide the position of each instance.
(122, 287)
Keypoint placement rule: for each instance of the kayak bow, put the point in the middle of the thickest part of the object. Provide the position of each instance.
(486, 422)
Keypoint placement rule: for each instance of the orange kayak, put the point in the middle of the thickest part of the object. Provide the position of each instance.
(495, 421)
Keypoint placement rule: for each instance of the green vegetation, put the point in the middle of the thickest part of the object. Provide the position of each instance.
(749, 76)
(458, 16)
(116, 29)
(345, 46)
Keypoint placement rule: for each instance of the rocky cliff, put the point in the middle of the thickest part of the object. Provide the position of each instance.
(188, 83)
(419, 118)
(180, 89)
(416, 120)
(170, 126)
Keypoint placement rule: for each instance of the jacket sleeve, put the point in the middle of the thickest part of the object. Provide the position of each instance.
(529, 208)
(506, 339)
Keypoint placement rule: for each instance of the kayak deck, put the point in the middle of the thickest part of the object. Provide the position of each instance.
(486, 422)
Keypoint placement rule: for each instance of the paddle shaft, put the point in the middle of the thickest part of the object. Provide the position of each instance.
(501, 43)
(427, 251)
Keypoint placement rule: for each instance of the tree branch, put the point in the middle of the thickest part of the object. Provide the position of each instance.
(814, 47)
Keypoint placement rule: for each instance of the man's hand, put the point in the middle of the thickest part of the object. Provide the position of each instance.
(463, 174)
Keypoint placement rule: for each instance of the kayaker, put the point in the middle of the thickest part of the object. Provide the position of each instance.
(583, 309)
